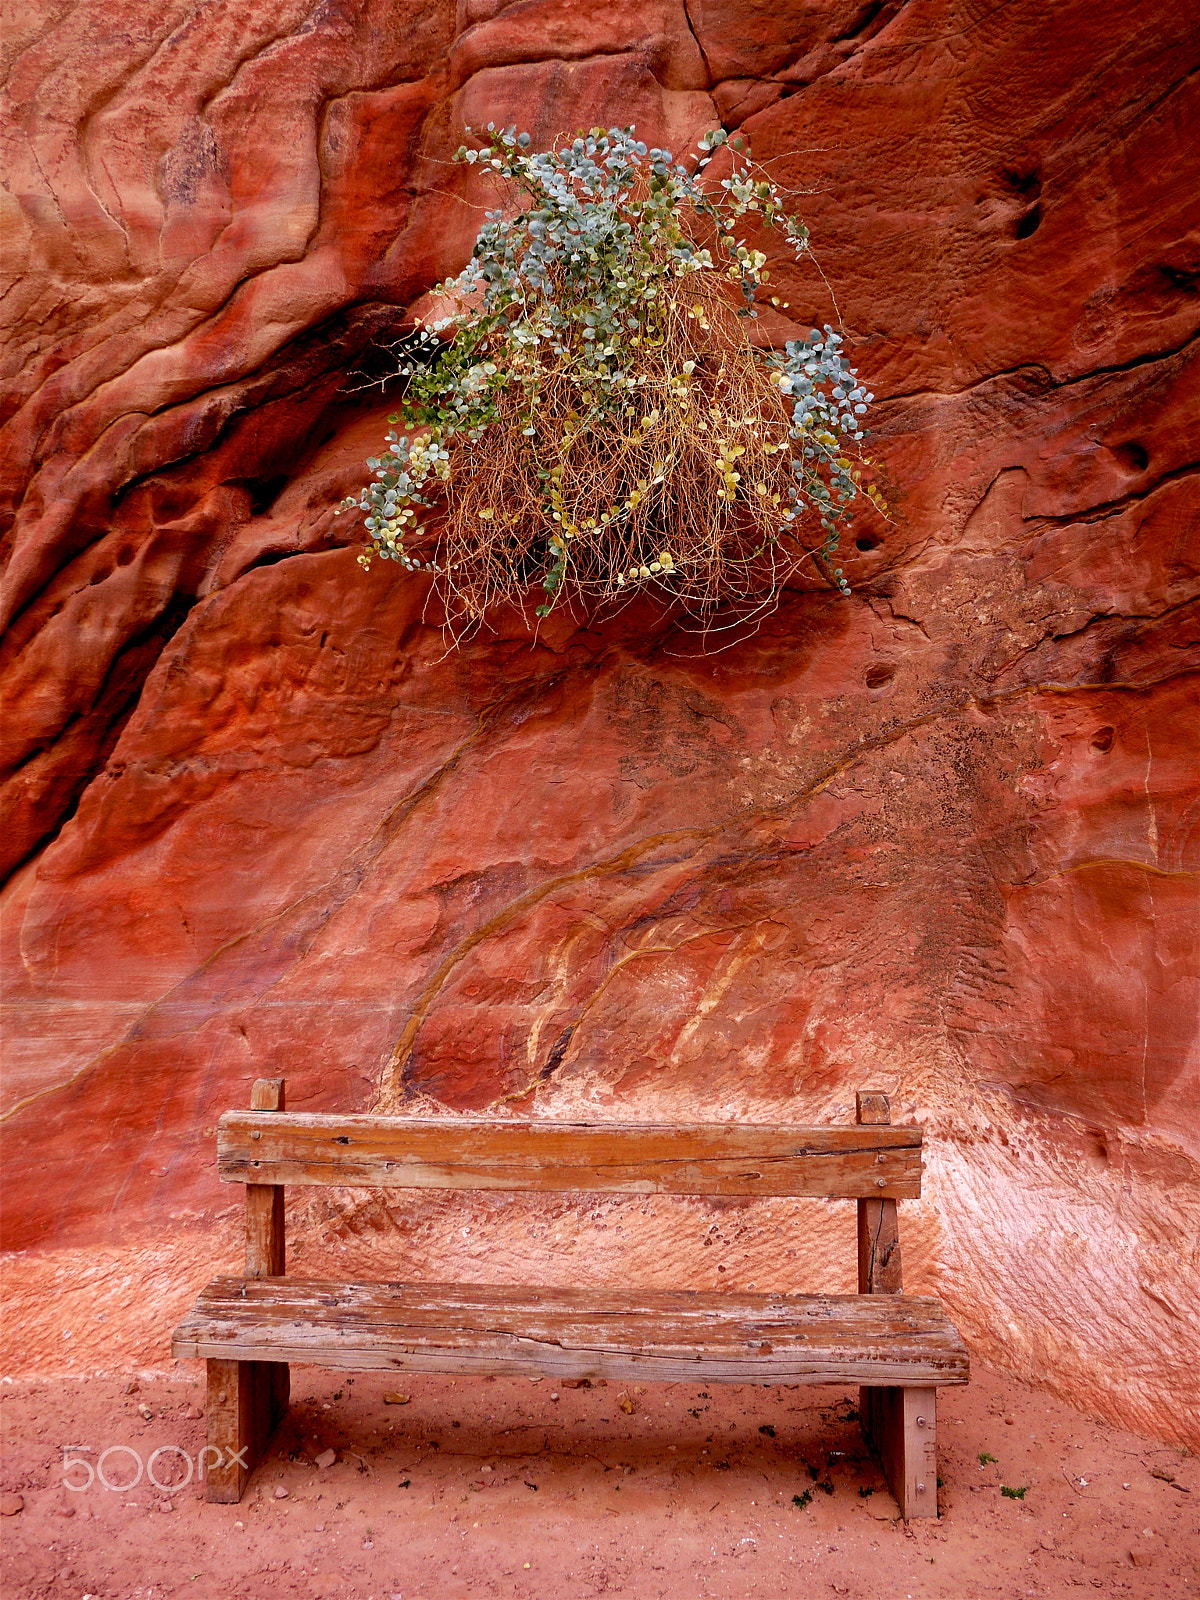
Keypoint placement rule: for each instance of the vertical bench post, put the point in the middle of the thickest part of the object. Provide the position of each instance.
(247, 1400)
(900, 1424)
(879, 1265)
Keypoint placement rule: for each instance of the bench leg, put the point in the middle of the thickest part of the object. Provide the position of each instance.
(901, 1427)
(247, 1400)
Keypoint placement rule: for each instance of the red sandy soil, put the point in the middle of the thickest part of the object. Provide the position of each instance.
(498, 1488)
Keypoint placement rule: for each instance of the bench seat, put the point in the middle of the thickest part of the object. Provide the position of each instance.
(646, 1335)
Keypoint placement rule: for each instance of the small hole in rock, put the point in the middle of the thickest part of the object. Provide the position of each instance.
(1133, 457)
(867, 542)
(1178, 280)
(1096, 1152)
(127, 553)
(880, 675)
(265, 491)
(1029, 223)
(1102, 739)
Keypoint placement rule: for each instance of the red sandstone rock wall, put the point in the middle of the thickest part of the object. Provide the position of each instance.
(944, 837)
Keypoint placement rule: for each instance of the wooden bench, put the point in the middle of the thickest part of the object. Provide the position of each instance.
(898, 1348)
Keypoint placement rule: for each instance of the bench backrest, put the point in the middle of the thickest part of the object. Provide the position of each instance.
(871, 1161)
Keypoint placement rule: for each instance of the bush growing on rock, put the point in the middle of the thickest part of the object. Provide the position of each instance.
(595, 420)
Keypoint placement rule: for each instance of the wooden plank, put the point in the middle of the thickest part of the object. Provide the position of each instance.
(265, 1248)
(240, 1422)
(899, 1423)
(229, 1427)
(268, 1094)
(879, 1266)
(479, 1328)
(904, 1431)
(702, 1159)
(265, 1233)
(872, 1108)
(879, 1261)
(266, 1257)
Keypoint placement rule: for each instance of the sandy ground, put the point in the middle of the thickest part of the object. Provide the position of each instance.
(507, 1488)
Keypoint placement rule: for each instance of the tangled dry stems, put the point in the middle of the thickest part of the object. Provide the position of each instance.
(599, 423)
(683, 488)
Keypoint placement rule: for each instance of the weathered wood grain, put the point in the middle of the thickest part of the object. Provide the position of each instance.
(265, 1250)
(242, 1415)
(872, 1108)
(703, 1159)
(581, 1333)
(879, 1261)
(904, 1434)
(228, 1414)
(266, 1257)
